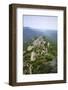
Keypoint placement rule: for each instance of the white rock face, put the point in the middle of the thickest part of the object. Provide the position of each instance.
(43, 51)
(33, 56)
(48, 44)
(29, 48)
(39, 41)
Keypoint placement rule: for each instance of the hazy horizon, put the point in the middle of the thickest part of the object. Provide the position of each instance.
(41, 23)
(32, 28)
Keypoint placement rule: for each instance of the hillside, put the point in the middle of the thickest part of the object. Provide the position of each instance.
(29, 33)
(40, 56)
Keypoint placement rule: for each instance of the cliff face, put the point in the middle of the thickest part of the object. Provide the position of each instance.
(39, 47)
(39, 41)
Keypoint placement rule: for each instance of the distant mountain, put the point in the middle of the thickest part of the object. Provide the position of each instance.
(51, 34)
(29, 33)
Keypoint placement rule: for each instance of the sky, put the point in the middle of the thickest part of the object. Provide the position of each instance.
(41, 22)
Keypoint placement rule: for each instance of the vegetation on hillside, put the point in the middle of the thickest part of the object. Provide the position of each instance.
(39, 56)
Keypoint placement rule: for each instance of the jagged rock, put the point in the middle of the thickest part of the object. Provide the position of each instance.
(48, 44)
(39, 41)
(33, 56)
(38, 57)
(29, 48)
